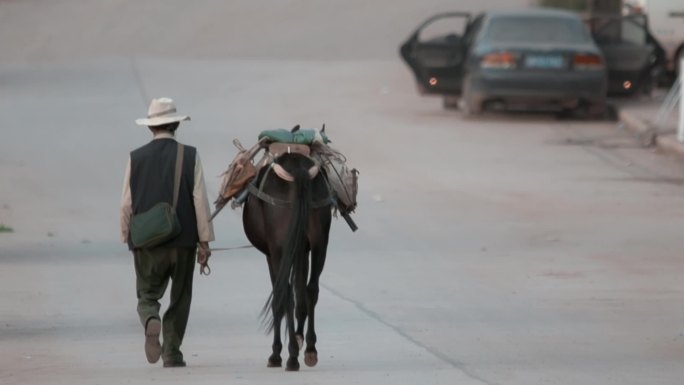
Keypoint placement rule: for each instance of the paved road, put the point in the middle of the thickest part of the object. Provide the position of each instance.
(509, 249)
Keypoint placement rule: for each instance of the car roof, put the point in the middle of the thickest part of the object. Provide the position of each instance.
(535, 12)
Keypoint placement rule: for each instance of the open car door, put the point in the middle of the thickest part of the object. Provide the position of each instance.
(634, 59)
(436, 53)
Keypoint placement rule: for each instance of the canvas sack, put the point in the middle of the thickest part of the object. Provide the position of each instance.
(160, 223)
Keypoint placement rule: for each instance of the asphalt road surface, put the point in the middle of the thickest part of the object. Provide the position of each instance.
(511, 249)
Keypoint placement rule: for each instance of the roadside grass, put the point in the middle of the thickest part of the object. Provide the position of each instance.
(5, 229)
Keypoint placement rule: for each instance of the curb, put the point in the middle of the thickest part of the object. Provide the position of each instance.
(648, 135)
(670, 144)
(643, 130)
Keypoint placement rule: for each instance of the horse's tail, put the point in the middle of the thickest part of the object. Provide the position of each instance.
(294, 248)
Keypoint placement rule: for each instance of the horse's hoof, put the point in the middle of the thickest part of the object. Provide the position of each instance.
(274, 362)
(292, 365)
(300, 341)
(311, 358)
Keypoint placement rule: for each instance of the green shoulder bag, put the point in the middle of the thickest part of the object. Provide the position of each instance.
(160, 223)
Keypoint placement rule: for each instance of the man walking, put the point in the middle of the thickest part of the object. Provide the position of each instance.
(149, 179)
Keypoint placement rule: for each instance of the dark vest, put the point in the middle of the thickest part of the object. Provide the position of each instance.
(152, 173)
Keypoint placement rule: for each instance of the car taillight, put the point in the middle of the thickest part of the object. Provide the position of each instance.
(502, 60)
(588, 62)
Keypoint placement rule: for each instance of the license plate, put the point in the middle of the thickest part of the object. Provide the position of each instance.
(544, 61)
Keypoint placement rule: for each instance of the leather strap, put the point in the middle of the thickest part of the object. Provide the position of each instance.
(327, 201)
(265, 197)
(177, 176)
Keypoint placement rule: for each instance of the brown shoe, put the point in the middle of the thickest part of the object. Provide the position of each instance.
(152, 346)
(174, 364)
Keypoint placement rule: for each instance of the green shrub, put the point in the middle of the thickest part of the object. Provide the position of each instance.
(6, 229)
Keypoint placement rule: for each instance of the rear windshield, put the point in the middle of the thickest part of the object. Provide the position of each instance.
(530, 29)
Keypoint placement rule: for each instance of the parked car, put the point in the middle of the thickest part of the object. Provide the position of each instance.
(635, 60)
(510, 59)
(667, 19)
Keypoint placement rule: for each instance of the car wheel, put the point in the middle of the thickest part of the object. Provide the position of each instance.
(646, 88)
(450, 102)
(565, 113)
(650, 82)
(595, 110)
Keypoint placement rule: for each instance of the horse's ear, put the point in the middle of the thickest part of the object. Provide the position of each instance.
(323, 129)
(295, 128)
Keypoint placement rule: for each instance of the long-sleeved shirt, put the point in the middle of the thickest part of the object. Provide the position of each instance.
(205, 229)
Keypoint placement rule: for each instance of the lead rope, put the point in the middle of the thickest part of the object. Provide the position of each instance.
(206, 270)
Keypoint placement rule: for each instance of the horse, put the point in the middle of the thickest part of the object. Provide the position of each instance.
(287, 217)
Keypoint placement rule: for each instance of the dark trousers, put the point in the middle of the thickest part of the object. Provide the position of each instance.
(153, 269)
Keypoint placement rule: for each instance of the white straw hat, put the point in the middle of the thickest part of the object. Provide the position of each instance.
(161, 111)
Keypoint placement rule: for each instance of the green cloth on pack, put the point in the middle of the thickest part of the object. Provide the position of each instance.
(282, 135)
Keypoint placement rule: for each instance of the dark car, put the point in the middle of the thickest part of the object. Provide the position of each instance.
(510, 59)
(635, 60)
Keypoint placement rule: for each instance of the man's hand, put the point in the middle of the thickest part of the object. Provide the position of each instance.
(203, 254)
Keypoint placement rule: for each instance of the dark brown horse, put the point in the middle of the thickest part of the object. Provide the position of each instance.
(286, 217)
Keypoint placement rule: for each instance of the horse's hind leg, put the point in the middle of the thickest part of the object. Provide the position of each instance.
(274, 361)
(317, 262)
(292, 345)
(300, 303)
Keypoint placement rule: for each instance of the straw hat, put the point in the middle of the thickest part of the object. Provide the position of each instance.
(161, 111)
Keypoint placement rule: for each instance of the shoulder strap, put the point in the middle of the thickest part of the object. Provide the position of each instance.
(177, 176)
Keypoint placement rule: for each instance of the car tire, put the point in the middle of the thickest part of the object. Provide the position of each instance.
(565, 114)
(650, 82)
(646, 88)
(596, 111)
(450, 102)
